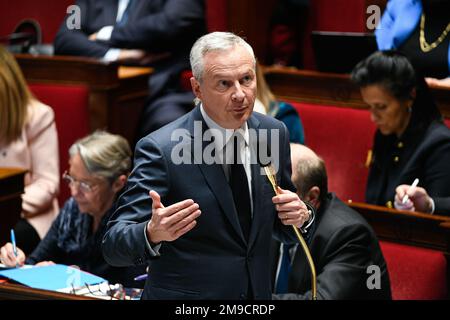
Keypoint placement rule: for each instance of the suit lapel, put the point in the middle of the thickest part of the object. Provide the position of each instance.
(258, 182)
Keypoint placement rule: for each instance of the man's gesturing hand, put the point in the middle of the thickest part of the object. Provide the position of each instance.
(170, 223)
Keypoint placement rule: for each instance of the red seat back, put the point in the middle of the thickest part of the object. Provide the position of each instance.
(447, 122)
(342, 137)
(216, 15)
(415, 273)
(48, 13)
(70, 104)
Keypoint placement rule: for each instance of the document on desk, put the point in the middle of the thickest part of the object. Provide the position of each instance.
(53, 277)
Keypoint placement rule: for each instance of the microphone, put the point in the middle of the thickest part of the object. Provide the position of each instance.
(270, 172)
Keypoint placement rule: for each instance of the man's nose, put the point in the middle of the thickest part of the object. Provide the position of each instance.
(238, 93)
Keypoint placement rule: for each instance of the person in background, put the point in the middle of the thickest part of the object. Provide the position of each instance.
(266, 103)
(155, 33)
(342, 244)
(28, 140)
(419, 200)
(420, 29)
(99, 165)
(411, 140)
(287, 31)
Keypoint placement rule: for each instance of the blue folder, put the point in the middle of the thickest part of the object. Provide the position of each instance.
(54, 277)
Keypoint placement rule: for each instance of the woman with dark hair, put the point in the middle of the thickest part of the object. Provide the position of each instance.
(411, 139)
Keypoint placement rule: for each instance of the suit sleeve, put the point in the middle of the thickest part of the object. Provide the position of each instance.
(43, 144)
(442, 206)
(384, 30)
(437, 173)
(344, 272)
(75, 42)
(124, 243)
(162, 30)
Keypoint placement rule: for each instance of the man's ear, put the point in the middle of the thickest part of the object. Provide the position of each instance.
(314, 195)
(196, 88)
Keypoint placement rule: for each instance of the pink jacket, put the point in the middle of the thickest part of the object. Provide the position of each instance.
(37, 151)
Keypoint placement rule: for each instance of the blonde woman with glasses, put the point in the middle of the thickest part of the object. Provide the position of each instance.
(99, 165)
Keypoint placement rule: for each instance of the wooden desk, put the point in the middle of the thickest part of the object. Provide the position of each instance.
(10, 291)
(411, 228)
(11, 189)
(329, 88)
(116, 93)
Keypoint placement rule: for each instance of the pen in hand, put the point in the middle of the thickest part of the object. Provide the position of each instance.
(141, 277)
(13, 241)
(411, 189)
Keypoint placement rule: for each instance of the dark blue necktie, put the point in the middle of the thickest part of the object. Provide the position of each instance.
(239, 188)
(125, 15)
(285, 270)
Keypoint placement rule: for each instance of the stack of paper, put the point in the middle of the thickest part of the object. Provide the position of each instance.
(55, 277)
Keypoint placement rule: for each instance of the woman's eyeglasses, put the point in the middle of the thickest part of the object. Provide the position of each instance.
(81, 185)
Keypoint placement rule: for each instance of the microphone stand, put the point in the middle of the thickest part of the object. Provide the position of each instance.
(272, 178)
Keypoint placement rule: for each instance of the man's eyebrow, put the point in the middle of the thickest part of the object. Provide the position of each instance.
(228, 75)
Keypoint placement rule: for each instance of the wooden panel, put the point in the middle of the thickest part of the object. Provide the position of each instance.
(329, 88)
(10, 291)
(115, 92)
(411, 228)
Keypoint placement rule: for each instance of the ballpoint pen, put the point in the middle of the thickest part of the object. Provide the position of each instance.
(411, 188)
(141, 277)
(13, 241)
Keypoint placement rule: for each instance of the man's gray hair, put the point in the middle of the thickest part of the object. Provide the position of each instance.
(215, 41)
(104, 154)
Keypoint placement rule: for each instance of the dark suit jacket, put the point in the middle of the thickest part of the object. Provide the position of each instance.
(442, 206)
(213, 260)
(423, 152)
(153, 25)
(342, 246)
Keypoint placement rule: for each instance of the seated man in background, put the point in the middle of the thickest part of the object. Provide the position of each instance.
(99, 167)
(156, 33)
(342, 243)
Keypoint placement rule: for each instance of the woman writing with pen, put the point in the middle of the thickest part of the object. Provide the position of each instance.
(411, 140)
(98, 169)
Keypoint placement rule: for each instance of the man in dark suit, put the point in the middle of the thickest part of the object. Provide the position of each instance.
(345, 249)
(209, 219)
(158, 33)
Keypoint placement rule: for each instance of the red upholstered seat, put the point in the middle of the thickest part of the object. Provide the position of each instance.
(415, 273)
(70, 104)
(342, 137)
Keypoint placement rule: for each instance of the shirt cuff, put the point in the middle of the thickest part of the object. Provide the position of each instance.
(433, 207)
(305, 228)
(154, 251)
(104, 34)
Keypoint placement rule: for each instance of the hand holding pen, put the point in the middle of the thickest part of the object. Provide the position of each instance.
(11, 255)
(418, 199)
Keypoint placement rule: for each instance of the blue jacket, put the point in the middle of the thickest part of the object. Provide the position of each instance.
(398, 22)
